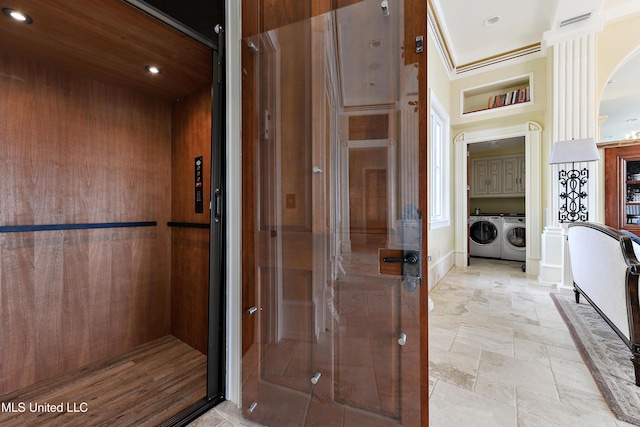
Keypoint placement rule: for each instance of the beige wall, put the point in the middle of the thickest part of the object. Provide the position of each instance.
(441, 240)
(539, 111)
(499, 117)
(615, 44)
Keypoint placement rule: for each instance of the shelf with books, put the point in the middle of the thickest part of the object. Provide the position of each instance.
(622, 186)
(515, 91)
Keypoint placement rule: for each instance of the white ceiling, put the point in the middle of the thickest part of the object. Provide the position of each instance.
(523, 23)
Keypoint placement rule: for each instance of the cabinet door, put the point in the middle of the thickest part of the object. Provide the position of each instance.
(513, 173)
(510, 176)
(480, 182)
(522, 169)
(495, 176)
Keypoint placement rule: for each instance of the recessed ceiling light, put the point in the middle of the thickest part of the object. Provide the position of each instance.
(17, 15)
(153, 69)
(492, 20)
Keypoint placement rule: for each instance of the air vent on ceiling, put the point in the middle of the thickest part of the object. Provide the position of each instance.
(575, 19)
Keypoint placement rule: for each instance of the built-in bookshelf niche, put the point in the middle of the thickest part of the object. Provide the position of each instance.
(513, 92)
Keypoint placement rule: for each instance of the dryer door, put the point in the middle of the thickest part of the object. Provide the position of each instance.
(483, 232)
(515, 237)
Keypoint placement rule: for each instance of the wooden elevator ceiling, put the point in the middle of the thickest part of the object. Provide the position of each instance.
(110, 41)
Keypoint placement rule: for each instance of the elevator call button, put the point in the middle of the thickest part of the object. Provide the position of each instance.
(199, 204)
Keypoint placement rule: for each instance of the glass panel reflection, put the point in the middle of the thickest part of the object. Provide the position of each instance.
(336, 124)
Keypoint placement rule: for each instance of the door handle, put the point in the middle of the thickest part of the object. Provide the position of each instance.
(409, 258)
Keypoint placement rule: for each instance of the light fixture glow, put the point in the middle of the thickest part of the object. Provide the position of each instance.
(17, 15)
(153, 69)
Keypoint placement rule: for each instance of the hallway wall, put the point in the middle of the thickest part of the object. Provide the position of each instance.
(441, 240)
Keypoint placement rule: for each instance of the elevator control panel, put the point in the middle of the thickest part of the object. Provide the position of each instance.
(199, 190)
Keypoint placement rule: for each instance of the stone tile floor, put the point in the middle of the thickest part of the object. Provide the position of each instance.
(499, 355)
(225, 414)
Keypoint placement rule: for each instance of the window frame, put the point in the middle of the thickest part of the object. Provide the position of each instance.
(439, 165)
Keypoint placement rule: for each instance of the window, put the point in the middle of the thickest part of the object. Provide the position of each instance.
(440, 170)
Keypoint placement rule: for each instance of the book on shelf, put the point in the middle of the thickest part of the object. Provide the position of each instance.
(513, 97)
(633, 210)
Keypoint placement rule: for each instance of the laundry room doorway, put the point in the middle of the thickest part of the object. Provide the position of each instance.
(498, 186)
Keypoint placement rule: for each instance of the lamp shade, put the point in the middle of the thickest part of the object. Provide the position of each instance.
(574, 150)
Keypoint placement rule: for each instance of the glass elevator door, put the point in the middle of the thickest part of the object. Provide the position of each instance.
(336, 231)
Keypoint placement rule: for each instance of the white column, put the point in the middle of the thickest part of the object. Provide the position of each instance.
(574, 117)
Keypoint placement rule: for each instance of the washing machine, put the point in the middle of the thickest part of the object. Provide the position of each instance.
(514, 243)
(484, 236)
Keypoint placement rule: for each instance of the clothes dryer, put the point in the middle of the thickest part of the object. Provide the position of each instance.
(484, 236)
(514, 244)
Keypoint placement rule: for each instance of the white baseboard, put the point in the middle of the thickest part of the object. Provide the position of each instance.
(439, 268)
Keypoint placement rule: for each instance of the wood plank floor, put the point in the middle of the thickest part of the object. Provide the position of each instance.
(143, 387)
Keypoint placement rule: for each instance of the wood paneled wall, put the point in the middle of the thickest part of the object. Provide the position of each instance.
(190, 246)
(75, 150)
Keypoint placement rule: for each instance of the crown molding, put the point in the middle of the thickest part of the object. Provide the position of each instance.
(438, 35)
